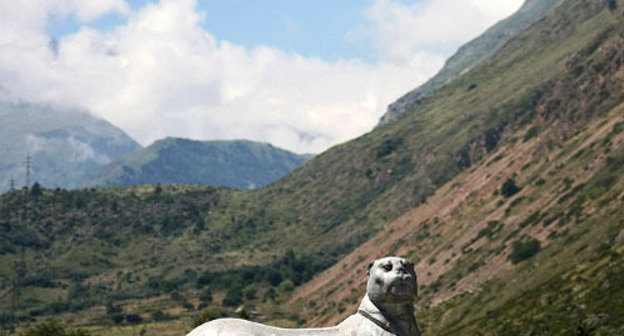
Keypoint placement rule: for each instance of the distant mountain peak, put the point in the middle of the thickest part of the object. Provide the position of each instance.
(231, 163)
(65, 144)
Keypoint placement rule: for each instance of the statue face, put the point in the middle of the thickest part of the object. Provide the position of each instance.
(392, 280)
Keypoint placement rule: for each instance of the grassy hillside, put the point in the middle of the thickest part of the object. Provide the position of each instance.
(473, 52)
(235, 164)
(547, 260)
(526, 110)
(544, 258)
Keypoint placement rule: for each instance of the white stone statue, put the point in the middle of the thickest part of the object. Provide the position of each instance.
(386, 310)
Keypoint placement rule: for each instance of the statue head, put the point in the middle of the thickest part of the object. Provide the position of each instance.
(391, 280)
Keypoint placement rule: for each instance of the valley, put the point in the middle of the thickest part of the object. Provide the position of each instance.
(504, 186)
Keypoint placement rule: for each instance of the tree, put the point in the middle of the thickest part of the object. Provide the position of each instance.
(206, 296)
(233, 296)
(36, 190)
(275, 277)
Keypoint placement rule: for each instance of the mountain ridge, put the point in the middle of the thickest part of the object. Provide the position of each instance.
(234, 163)
(65, 145)
(472, 53)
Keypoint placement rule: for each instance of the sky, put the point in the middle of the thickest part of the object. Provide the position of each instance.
(302, 75)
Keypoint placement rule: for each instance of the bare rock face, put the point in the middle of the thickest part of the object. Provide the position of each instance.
(401, 105)
(387, 309)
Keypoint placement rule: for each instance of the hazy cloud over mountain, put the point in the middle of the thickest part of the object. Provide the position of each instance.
(161, 74)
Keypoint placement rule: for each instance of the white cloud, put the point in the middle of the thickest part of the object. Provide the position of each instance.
(162, 75)
(439, 26)
(86, 10)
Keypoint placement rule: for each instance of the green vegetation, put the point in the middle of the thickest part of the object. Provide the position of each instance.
(571, 180)
(235, 164)
(112, 255)
(509, 188)
(522, 250)
(531, 133)
(35, 190)
(207, 316)
(71, 144)
(53, 328)
(475, 52)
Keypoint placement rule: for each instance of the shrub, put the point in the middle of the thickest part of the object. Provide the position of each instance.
(188, 306)
(53, 328)
(270, 294)
(158, 315)
(134, 318)
(204, 279)
(111, 308)
(250, 293)
(205, 296)
(117, 318)
(286, 286)
(524, 250)
(275, 278)
(578, 70)
(205, 316)
(530, 134)
(233, 297)
(388, 146)
(509, 188)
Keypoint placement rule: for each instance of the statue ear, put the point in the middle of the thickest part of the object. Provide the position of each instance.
(369, 267)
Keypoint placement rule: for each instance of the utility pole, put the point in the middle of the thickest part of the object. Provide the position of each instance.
(28, 170)
(12, 183)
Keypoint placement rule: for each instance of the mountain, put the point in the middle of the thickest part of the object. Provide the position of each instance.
(505, 187)
(65, 145)
(528, 240)
(473, 52)
(235, 164)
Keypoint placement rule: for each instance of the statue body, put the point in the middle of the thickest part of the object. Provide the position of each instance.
(387, 309)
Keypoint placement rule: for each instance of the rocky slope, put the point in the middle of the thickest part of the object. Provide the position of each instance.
(235, 164)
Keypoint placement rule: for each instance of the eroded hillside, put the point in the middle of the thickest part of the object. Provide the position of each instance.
(545, 258)
(467, 240)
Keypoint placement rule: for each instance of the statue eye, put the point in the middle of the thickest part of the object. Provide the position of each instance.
(387, 267)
